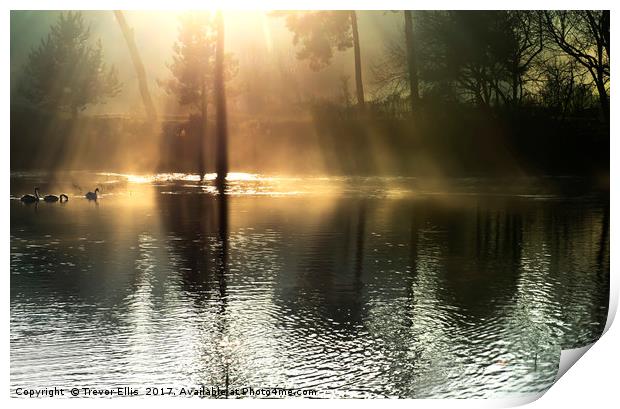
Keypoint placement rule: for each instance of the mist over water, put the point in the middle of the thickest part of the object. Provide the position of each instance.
(353, 286)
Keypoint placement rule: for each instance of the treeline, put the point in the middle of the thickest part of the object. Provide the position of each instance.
(439, 140)
(456, 93)
(557, 60)
(48, 142)
(479, 92)
(455, 139)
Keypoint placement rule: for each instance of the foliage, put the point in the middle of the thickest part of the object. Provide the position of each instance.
(66, 72)
(502, 58)
(319, 34)
(484, 54)
(193, 61)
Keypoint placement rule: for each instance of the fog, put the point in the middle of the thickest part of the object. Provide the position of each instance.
(487, 101)
(260, 42)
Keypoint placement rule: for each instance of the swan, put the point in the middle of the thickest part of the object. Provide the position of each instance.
(31, 198)
(92, 195)
(53, 198)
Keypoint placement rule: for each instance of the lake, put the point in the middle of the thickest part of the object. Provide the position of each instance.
(350, 286)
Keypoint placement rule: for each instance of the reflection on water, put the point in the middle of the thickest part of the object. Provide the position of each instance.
(364, 287)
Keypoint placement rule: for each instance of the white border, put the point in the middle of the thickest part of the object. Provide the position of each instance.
(591, 382)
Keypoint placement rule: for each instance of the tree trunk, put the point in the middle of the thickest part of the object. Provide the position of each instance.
(203, 128)
(602, 93)
(600, 75)
(605, 31)
(515, 84)
(358, 60)
(139, 67)
(221, 159)
(411, 61)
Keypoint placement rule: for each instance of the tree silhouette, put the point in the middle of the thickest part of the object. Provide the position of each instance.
(137, 63)
(220, 103)
(584, 36)
(525, 43)
(390, 73)
(358, 58)
(476, 61)
(66, 72)
(564, 89)
(192, 69)
(320, 33)
(412, 66)
(478, 56)
(499, 58)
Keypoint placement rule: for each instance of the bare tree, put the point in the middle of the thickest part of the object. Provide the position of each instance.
(128, 33)
(358, 59)
(411, 60)
(584, 36)
(526, 30)
(390, 74)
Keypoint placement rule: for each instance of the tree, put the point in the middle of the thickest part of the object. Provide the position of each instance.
(221, 158)
(137, 63)
(358, 59)
(192, 61)
(397, 73)
(391, 73)
(584, 36)
(412, 67)
(320, 33)
(525, 42)
(66, 72)
(482, 56)
(192, 70)
(564, 89)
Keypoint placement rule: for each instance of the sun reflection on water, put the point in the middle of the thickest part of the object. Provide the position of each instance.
(238, 183)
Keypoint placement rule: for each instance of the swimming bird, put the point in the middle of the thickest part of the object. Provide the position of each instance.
(92, 195)
(31, 198)
(53, 198)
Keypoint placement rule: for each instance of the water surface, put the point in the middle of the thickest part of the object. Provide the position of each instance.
(356, 287)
